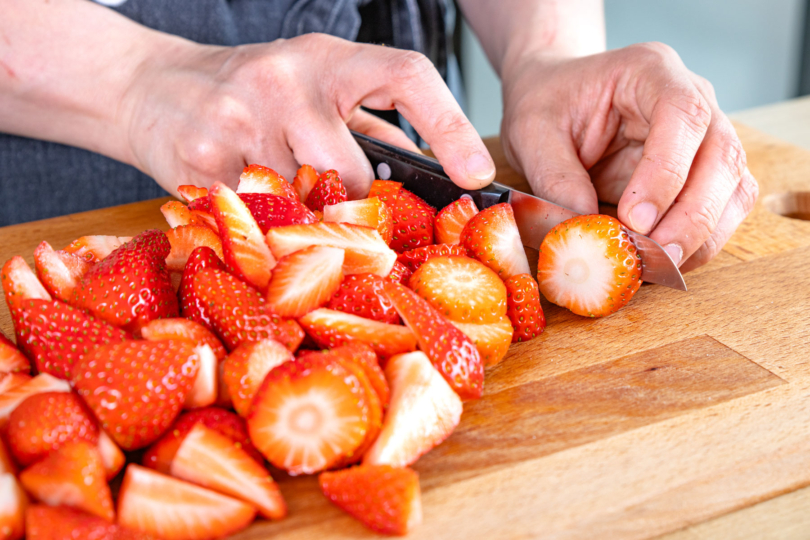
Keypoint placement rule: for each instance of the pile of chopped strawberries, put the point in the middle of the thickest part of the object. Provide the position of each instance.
(279, 323)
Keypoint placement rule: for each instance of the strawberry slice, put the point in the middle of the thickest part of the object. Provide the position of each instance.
(412, 220)
(20, 283)
(363, 295)
(177, 214)
(327, 190)
(12, 511)
(11, 359)
(414, 258)
(191, 193)
(492, 340)
(366, 251)
(112, 457)
(492, 237)
(136, 388)
(423, 412)
(96, 248)
(72, 475)
(247, 366)
(367, 212)
(305, 280)
(399, 273)
(212, 460)
(305, 179)
(365, 356)
(191, 307)
(383, 188)
(238, 311)
(450, 351)
(259, 179)
(172, 509)
(185, 239)
(59, 271)
(178, 328)
(330, 328)
(452, 219)
(589, 265)
(383, 498)
(309, 414)
(523, 307)
(17, 393)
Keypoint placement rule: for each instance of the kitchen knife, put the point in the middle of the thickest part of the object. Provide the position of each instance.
(535, 217)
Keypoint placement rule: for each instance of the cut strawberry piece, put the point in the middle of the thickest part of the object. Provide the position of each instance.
(206, 385)
(366, 251)
(172, 509)
(11, 359)
(363, 295)
(309, 414)
(383, 498)
(238, 311)
(383, 188)
(305, 179)
(450, 351)
(206, 218)
(367, 359)
(589, 265)
(367, 212)
(12, 380)
(20, 283)
(274, 211)
(259, 179)
(17, 393)
(136, 388)
(247, 366)
(191, 193)
(328, 190)
(493, 238)
(191, 307)
(73, 475)
(96, 248)
(492, 340)
(63, 523)
(185, 239)
(412, 220)
(177, 214)
(59, 271)
(12, 511)
(330, 328)
(414, 258)
(523, 307)
(112, 457)
(212, 460)
(305, 280)
(161, 329)
(423, 412)
(452, 220)
(399, 273)
(6, 464)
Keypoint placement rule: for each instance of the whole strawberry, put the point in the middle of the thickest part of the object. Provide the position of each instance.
(328, 190)
(523, 307)
(363, 295)
(191, 307)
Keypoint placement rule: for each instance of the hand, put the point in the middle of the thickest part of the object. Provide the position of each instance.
(631, 127)
(199, 114)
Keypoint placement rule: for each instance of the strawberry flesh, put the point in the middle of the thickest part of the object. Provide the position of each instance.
(492, 237)
(305, 280)
(452, 219)
(257, 179)
(246, 367)
(60, 272)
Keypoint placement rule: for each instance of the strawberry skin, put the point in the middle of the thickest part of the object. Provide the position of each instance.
(492, 237)
(257, 179)
(523, 307)
(412, 220)
(399, 273)
(191, 307)
(328, 190)
(452, 219)
(274, 211)
(383, 188)
(492, 339)
(180, 328)
(414, 258)
(363, 295)
(21, 386)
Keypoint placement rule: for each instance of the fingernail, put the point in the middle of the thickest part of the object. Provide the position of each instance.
(480, 167)
(675, 253)
(642, 217)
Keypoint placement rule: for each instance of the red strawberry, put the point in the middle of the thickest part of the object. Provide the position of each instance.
(331, 328)
(362, 295)
(190, 305)
(385, 499)
(383, 188)
(247, 366)
(367, 212)
(177, 214)
(452, 220)
(304, 280)
(259, 179)
(191, 193)
(205, 390)
(63, 523)
(20, 283)
(414, 258)
(274, 211)
(365, 356)
(6, 464)
(493, 238)
(60, 272)
(96, 248)
(17, 392)
(185, 239)
(136, 388)
(523, 307)
(305, 179)
(328, 190)
(399, 273)
(112, 457)
(11, 380)
(161, 329)
(492, 339)
(589, 265)
(450, 351)
(11, 359)
(12, 511)
(412, 220)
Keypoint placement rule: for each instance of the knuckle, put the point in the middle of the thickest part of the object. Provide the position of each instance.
(671, 170)
(732, 153)
(693, 109)
(451, 122)
(655, 51)
(706, 87)
(412, 67)
(749, 188)
(704, 219)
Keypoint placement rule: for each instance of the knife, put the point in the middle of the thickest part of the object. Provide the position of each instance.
(535, 217)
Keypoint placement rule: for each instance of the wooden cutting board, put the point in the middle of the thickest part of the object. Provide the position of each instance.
(677, 409)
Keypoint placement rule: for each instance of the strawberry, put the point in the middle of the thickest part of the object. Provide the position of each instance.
(247, 366)
(412, 220)
(259, 179)
(424, 410)
(12, 511)
(212, 460)
(493, 238)
(383, 498)
(204, 391)
(161, 329)
(304, 280)
(112, 457)
(190, 305)
(60, 272)
(12, 380)
(177, 214)
(309, 414)
(191, 193)
(238, 311)
(274, 211)
(362, 295)
(18, 392)
(366, 251)
(305, 179)
(523, 307)
(136, 388)
(492, 340)
(414, 258)
(589, 265)
(452, 219)
(11, 359)
(383, 188)
(63, 523)
(399, 273)
(367, 212)
(328, 190)
(365, 356)
(185, 239)
(6, 464)
(20, 283)
(172, 509)
(461, 289)
(331, 328)
(96, 248)
(450, 351)
(72, 475)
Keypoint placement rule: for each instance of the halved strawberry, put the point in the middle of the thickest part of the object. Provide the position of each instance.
(177, 214)
(20, 283)
(492, 340)
(96, 248)
(383, 188)
(452, 219)
(12, 511)
(523, 307)
(178, 328)
(185, 239)
(363, 295)
(17, 393)
(330, 328)
(365, 356)
(366, 251)
(11, 359)
(172, 509)
(72, 475)
(112, 457)
(59, 271)
(328, 190)
(274, 211)
(493, 238)
(424, 410)
(305, 179)
(212, 460)
(450, 351)
(247, 366)
(191, 193)
(205, 389)
(414, 258)
(309, 414)
(385, 499)
(191, 307)
(399, 273)
(412, 220)
(259, 179)
(589, 265)
(304, 280)
(370, 212)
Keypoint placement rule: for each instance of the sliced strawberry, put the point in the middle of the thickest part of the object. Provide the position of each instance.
(177, 214)
(12, 511)
(212, 460)
(452, 220)
(383, 498)
(172, 509)
(259, 179)
(305, 280)
(191, 307)
(187, 238)
(366, 251)
(12, 380)
(412, 220)
(112, 457)
(330, 328)
(414, 258)
(63, 523)
(96, 248)
(20, 283)
(450, 351)
(305, 179)
(523, 307)
(238, 311)
(206, 217)
(206, 384)
(136, 388)
(247, 366)
(328, 190)
(363, 295)
(17, 393)
(179, 328)
(424, 410)
(492, 340)
(191, 193)
(59, 271)
(367, 212)
(493, 238)
(72, 475)
(11, 359)
(365, 356)
(274, 211)
(6, 464)
(399, 273)
(383, 188)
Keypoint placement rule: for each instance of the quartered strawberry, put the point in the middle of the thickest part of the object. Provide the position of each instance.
(191, 307)
(177, 214)
(383, 498)
(423, 412)
(370, 212)
(399, 273)
(493, 238)
(305, 179)
(450, 351)
(246, 367)
(12, 511)
(179, 328)
(330, 328)
(20, 283)
(452, 219)
(304, 280)
(414, 258)
(191, 193)
(383, 188)
(63, 523)
(173, 509)
(137, 388)
(17, 392)
(412, 220)
(259, 179)
(523, 307)
(492, 339)
(185, 239)
(589, 265)
(96, 248)
(328, 190)
(11, 359)
(363, 295)
(59, 271)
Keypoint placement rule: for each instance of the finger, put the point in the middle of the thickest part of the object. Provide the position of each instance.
(611, 175)
(374, 126)
(278, 157)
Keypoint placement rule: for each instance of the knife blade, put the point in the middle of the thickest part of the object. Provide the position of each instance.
(535, 217)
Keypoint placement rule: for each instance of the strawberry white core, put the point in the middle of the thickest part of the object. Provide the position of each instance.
(577, 275)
